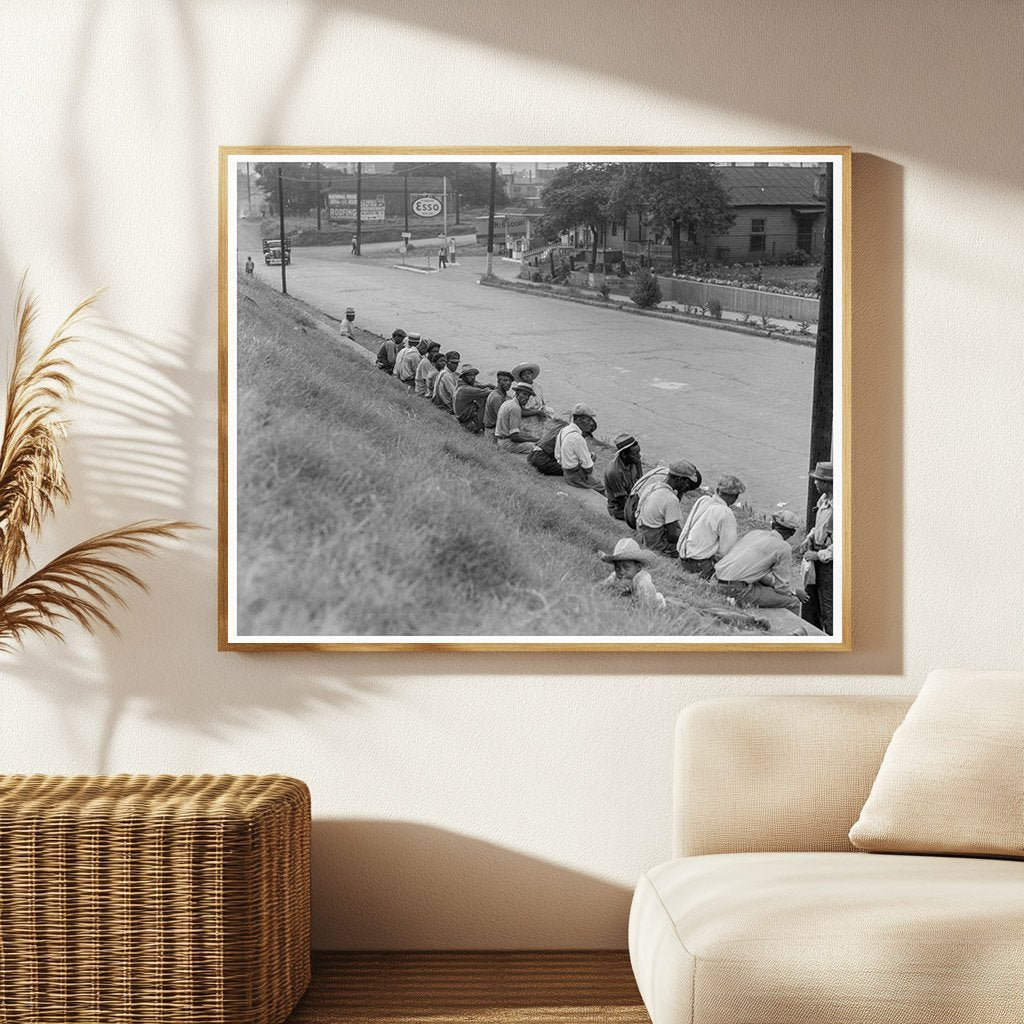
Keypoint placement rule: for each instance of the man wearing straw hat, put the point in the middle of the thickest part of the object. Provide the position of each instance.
(710, 528)
(817, 552)
(630, 563)
(573, 453)
(619, 477)
(755, 573)
(346, 326)
(508, 430)
(527, 373)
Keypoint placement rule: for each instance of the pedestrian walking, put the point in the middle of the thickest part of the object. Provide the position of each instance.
(659, 514)
(355, 246)
(249, 266)
(508, 430)
(622, 474)
(447, 382)
(573, 453)
(816, 549)
(630, 563)
(756, 572)
(710, 529)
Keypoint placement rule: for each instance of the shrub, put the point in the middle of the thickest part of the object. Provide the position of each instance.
(803, 325)
(646, 291)
(536, 276)
(605, 289)
(767, 323)
(796, 258)
(715, 308)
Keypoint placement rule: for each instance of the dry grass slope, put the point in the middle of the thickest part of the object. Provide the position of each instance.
(363, 510)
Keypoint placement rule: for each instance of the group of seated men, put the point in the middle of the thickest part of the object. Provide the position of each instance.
(755, 569)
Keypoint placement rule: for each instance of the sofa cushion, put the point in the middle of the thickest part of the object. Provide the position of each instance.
(830, 938)
(950, 781)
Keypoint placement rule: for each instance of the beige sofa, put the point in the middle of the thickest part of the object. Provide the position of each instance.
(768, 915)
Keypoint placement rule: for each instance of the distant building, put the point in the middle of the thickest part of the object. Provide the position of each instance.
(779, 209)
(514, 229)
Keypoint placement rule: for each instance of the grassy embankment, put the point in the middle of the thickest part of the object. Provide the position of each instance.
(363, 510)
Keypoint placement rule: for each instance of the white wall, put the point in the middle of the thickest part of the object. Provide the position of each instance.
(477, 800)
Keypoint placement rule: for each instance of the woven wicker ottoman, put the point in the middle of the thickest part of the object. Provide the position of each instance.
(139, 899)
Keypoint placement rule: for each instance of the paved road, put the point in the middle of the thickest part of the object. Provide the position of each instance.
(729, 402)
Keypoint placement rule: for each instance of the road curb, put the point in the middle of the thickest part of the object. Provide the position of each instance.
(716, 325)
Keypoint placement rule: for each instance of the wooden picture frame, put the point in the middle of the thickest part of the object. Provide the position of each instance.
(247, 564)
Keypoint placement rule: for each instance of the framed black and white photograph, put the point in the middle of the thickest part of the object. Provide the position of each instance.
(518, 399)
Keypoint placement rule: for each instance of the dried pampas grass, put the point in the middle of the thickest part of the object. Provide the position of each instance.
(82, 584)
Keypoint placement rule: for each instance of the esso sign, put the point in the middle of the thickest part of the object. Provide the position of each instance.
(427, 206)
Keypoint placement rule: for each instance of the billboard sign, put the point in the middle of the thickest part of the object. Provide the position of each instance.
(427, 206)
(341, 206)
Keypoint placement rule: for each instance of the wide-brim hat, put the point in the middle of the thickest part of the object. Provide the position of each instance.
(626, 550)
(350, 310)
(582, 409)
(517, 371)
(525, 388)
(822, 471)
(467, 370)
(624, 441)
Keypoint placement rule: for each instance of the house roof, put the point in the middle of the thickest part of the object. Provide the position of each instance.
(771, 186)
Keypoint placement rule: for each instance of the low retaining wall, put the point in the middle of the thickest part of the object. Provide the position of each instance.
(738, 300)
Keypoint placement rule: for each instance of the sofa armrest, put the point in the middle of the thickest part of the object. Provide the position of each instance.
(759, 774)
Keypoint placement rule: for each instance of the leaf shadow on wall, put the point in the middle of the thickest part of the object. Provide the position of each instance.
(406, 885)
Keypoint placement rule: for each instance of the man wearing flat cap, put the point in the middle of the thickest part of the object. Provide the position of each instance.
(756, 572)
(710, 529)
(572, 451)
(659, 515)
(817, 552)
(508, 430)
(407, 360)
(470, 399)
(622, 474)
(387, 354)
(495, 400)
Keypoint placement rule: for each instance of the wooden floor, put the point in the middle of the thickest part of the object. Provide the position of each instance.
(471, 988)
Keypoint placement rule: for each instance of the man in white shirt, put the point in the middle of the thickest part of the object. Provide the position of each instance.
(659, 515)
(572, 451)
(407, 360)
(508, 430)
(710, 528)
(756, 572)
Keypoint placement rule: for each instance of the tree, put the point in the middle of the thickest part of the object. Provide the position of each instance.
(579, 194)
(300, 195)
(679, 195)
(472, 181)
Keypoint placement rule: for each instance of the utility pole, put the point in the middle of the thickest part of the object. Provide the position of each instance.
(318, 196)
(248, 185)
(444, 208)
(456, 195)
(284, 250)
(490, 225)
(821, 402)
(406, 200)
(359, 210)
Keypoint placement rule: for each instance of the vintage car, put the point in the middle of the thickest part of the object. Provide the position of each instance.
(272, 251)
